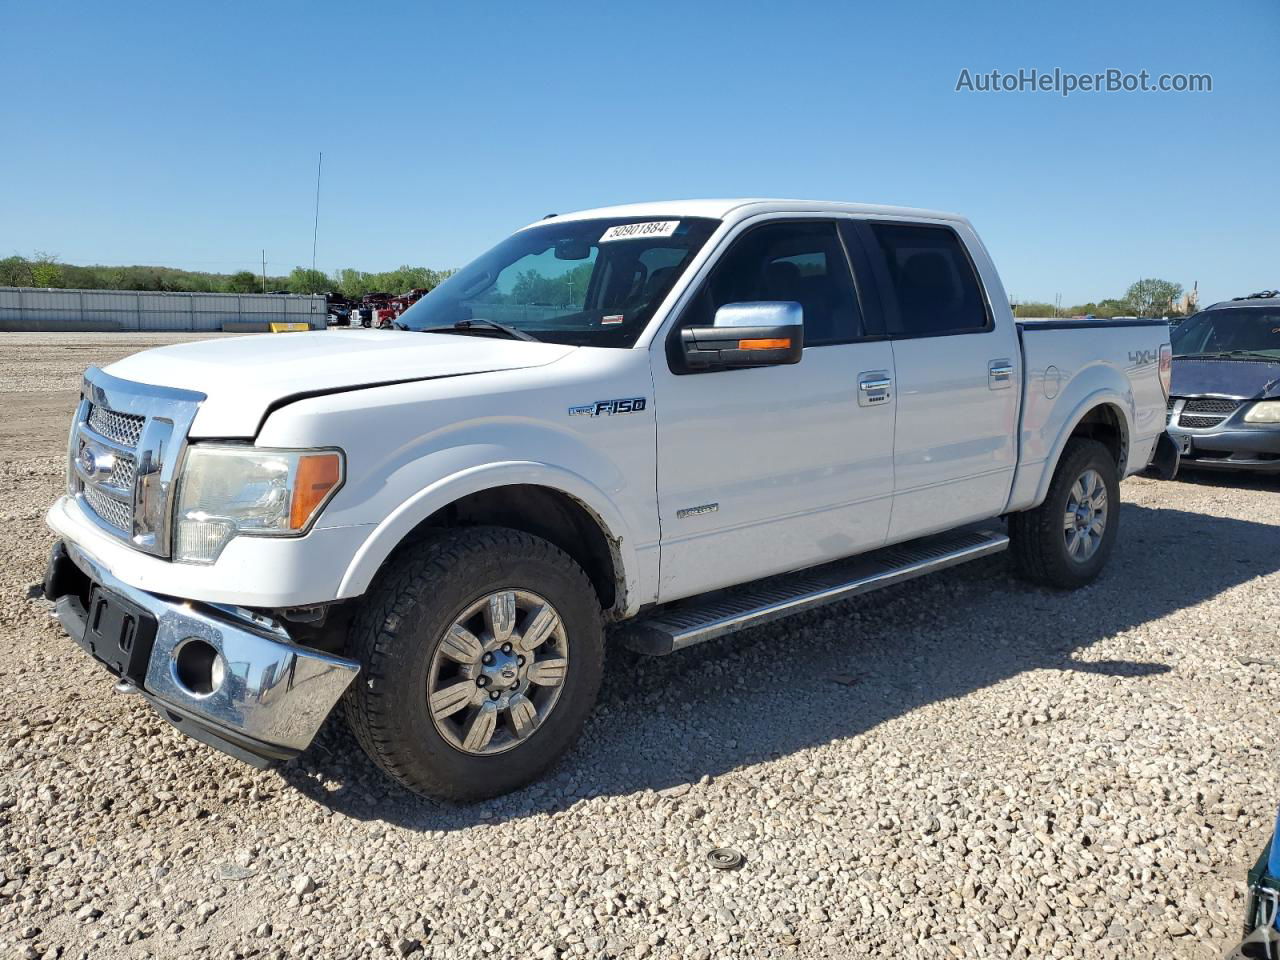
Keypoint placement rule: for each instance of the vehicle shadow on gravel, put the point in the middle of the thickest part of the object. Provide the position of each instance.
(834, 673)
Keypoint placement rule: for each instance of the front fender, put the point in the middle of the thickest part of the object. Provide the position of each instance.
(388, 534)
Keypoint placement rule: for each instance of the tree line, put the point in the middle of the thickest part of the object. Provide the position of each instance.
(1146, 298)
(45, 270)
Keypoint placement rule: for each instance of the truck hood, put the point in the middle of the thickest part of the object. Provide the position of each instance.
(1237, 379)
(244, 377)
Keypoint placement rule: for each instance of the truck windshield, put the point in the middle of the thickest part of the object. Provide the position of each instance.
(583, 282)
(1225, 333)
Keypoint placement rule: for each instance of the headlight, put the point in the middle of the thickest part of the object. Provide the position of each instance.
(1268, 411)
(228, 490)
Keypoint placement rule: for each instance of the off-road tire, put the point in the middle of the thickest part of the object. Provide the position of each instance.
(1037, 538)
(405, 616)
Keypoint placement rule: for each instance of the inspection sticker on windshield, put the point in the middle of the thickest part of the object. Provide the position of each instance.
(633, 231)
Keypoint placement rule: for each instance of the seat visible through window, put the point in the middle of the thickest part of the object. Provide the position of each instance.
(800, 261)
(932, 279)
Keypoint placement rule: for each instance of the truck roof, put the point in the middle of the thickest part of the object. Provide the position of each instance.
(741, 207)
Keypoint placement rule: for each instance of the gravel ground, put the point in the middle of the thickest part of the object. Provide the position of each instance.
(965, 766)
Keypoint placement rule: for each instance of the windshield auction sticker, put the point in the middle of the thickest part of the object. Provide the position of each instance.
(634, 231)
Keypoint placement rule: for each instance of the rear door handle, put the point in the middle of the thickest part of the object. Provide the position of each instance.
(1000, 374)
(874, 388)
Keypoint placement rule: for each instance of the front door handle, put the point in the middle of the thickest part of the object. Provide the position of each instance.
(1000, 374)
(874, 388)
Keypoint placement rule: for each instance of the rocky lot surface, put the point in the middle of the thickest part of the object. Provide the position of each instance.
(965, 766)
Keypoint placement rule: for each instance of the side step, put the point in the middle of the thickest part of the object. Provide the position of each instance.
(686, 622)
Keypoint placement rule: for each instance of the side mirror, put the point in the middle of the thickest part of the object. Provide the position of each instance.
(756, 334)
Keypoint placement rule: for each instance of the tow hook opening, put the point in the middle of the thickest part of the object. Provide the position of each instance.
(198, 667)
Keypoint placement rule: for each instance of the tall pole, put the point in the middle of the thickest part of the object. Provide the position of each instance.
(264, 270)
(316, 231)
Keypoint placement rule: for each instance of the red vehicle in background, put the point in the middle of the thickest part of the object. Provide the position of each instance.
(370, 303)
(385, 314)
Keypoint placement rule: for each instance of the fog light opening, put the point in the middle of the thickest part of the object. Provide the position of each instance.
(198, 667)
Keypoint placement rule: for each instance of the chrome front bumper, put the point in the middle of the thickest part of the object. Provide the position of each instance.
(273, 695)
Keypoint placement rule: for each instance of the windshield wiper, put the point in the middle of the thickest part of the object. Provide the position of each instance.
(466, 326)
(1235, 354)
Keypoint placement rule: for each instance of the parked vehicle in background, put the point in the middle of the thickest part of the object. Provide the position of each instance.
(386, 315)
(677, 420)
(339, 308)
(368, 304)
(1224, 407)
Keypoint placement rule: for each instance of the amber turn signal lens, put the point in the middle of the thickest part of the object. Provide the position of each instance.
(318, 474)
(781, 343)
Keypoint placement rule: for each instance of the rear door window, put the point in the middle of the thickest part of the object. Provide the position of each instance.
(931, 280)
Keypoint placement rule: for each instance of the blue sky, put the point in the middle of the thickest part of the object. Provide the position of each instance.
(186, 134)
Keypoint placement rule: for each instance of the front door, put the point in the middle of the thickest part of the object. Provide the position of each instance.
(774, 468)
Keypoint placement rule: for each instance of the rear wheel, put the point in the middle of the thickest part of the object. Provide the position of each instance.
(1066, 540)
(481, 658)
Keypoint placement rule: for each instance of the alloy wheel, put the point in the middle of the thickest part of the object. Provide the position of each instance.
(497, 673)
(1085, 521)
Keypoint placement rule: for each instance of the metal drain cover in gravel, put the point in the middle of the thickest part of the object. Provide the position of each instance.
(725, 858)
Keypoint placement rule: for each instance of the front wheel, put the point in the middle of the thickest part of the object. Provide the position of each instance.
(481, 658)
(1066, 540)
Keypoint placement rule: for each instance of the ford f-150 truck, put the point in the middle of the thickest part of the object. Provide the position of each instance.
(656, 424)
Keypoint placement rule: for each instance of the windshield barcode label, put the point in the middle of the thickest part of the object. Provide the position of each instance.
(632, 231)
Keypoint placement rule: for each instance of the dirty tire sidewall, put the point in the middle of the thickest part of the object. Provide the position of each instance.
(1040, 547)
(405, 620)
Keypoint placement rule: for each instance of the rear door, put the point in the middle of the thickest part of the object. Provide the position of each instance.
(956, 377)
(774, 468)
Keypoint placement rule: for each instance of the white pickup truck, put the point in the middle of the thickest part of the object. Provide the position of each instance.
(655, 424)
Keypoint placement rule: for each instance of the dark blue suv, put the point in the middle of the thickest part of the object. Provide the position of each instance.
(1224, 408)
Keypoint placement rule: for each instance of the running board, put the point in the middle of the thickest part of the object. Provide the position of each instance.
(686, 622)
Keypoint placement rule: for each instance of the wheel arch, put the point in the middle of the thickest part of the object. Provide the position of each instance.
(544, 501)
(1102, 417)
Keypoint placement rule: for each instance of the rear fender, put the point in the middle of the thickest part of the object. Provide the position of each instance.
(1049, 423)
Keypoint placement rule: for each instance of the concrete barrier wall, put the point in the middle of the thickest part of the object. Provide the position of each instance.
(41, 310)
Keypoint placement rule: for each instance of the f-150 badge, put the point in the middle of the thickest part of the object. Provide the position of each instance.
(608, 407)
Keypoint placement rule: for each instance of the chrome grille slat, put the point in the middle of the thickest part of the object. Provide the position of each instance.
(122, 473)
(123, 428)
(115, 512)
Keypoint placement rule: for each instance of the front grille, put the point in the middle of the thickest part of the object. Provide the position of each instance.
(123, 428)
(1168, 416)
(114, 512)
(1201, 413)
(141, 431)
(1199, 423)
(1208, 405)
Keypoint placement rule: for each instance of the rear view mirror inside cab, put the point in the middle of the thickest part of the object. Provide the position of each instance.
(572, 249)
